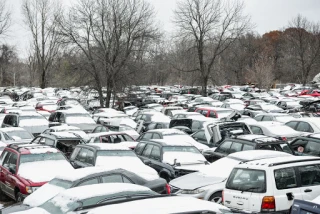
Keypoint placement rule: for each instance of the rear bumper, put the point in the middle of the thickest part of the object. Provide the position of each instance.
(276, 212)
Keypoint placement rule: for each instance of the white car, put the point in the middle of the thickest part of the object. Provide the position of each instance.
(305, 124)
(271, 185)
(156, 205)
(208, 183)
(16, 133)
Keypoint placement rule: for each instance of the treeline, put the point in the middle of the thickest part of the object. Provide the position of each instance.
(117, 43)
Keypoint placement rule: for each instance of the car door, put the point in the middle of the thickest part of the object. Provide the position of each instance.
(310, 181)
(3, 171)
(145, 155)
(9, 163)
(286, 187)
(155, 158)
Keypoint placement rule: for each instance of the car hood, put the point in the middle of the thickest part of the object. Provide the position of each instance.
(86, 127)
(195, 180)
(35, 210)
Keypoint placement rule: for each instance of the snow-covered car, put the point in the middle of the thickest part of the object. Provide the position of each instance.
(15, 133)
(311, 125)
(66, 128)
(111, 137)
(81, 199)
(208, 183)
(110, 156)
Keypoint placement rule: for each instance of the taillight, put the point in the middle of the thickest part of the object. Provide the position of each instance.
(284, 138)
(268, 204)
(168, 189)
(222, 197)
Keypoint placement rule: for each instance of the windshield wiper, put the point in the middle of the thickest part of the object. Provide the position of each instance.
(248, 189)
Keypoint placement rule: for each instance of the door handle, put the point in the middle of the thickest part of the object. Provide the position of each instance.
(308, 190)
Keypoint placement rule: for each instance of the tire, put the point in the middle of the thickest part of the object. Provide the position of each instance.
(216, 198)
(19, 197)
(3, 196)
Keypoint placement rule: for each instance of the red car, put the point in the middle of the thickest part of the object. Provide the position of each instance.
(26, 167)
(314, 93)
(214, 112)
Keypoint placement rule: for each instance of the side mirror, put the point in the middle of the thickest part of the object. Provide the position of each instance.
(12, 169)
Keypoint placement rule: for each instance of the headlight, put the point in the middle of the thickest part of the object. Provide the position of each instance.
(28, 189)
(196, 191)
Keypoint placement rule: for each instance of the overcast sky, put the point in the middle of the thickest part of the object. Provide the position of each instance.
(267, 15)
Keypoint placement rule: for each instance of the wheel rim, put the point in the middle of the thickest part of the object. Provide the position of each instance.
(217, 200)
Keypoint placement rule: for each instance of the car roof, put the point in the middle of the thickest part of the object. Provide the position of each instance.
(166, 131)
(257, 154)
(94, 190)
(105, 146)
(81, 173)
(257, 138)
(32, 148)
(64, 134)
(280, 161)
(105, 133)
(214, 108)
(307, 119)
(178, 204)
(11, 129)
(273, 114)
(165, 142)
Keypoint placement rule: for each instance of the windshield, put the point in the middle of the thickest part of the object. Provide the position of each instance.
(21, 134)
(49, 156)
(60, 207)
(182, 155)
(79, 118)
(247, 180)
(284, 119)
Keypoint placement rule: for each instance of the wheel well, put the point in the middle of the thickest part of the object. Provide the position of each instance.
(214, 193)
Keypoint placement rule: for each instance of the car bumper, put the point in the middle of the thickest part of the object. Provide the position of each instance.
(242, 211)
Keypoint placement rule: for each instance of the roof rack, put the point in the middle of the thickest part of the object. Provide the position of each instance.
(294, 161)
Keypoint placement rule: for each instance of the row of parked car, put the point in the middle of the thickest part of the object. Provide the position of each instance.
(107, 160)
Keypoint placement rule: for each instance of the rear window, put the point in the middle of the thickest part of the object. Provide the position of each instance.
(247, 180)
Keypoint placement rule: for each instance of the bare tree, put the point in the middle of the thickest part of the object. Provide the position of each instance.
(303, 46)
(5, 18)
(108, 32)
(40, 19)
(213, 26)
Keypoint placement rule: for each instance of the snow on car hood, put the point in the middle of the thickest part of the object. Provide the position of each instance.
(195, 180)
(133, 164)
(183, 158)
(43, 194)
(43, 171)
(187, 139)
(33, 122)
(35, 210)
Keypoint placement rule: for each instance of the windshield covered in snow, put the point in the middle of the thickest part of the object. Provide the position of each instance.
(27, 158)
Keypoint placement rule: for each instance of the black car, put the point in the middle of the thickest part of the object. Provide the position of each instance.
(64, 141)
(308, 144)
(170, 159)
(244, 143)
(304, 207)
(98, 175)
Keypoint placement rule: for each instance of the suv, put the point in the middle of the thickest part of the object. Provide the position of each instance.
(270, 185)
(26, 167)
(170, 159)
(34, 123)
(64, 141)
(244, 143)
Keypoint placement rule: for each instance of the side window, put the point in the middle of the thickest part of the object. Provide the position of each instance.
(126, 180)
(85, 156)
(139, 148)
(156, 136)
(89, 182)
(247, 147)
(146, 136)
(285, 178)
(112, 179)
(292, 124)
(103, 129)
(312, 148)
(155, 153)
(36, 140)
(9, 121)
(224, 147)
(49, 142)
(310, 175)
(256, 130)
(204, 113)
(212, 114)
(152, 126)
(13, 160)
(147, 150)
(97, 130)
(14, 121)
(200, 135)
(235, 147)
(258, 118)
(158, 126)
(267, 118)
(3, 156)
(304, 127)
(75, 153)
(195, 125)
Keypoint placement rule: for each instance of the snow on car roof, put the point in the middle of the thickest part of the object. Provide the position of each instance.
(257, 154)
(64, 127)
(43, 150)
(64, 134)
(94, 190)
(78, 174)
(168, 131)
(178, 204)
(251, 137)
(110, 114)
(105, 133)
(172, 143)
(12, 129)
(108, 146)
(268, 161)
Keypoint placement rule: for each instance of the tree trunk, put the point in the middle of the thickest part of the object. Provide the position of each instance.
(204, 85)
(109, 92)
